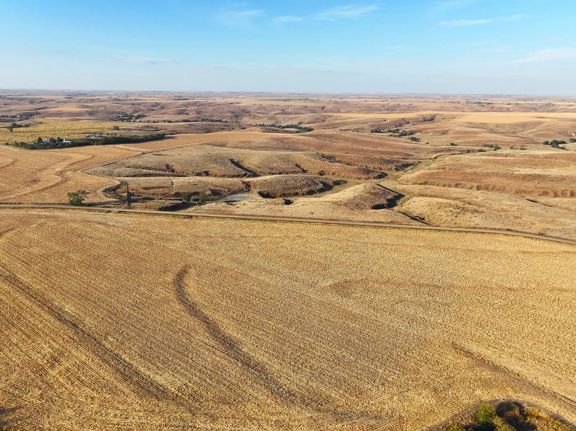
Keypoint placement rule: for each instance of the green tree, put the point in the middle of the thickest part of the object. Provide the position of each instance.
(202, 198)
(77, 198)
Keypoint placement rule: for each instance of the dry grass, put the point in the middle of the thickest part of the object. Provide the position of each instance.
(139, 322)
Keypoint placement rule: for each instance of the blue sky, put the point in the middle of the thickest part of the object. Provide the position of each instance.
(372, 46)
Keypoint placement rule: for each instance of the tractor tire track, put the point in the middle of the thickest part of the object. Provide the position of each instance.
(489, 364)
(142, 383)
(8, 163)
(62, 175)
(250, 364)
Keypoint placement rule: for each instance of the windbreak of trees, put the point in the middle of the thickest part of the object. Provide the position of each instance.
(556, 143)
(298, 127)
(43, 144)
(397, 133)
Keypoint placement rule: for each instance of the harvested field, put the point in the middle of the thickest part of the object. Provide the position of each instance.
(116, 321)
(543, 174)
(142, 321)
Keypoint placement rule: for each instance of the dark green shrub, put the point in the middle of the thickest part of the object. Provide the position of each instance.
(77, 198)
(485, 413)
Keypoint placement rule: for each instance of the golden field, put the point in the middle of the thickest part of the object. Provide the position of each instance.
(141, 322)
(146, 321)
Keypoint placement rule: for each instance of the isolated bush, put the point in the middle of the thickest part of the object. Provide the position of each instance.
(77, 198)
(485, 413)
(202, 198)
(186, 196)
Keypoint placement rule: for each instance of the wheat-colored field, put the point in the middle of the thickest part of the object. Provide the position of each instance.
(119, 322)
(140, 321)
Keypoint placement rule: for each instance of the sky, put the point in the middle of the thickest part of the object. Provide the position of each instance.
(303, 46)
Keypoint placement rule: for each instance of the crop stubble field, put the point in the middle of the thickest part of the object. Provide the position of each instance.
(140, 322)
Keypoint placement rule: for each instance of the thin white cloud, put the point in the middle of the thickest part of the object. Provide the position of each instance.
(239, 18)
(481, 21)
(345, 12)
(134, 59)
(287, 19)
(466, 22)
(548, 55)
(449, 5)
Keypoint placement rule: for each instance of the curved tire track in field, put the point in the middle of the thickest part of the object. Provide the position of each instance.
(8, 163)
(126, 370)
(62, 174)
(484, 362)
(256, 369)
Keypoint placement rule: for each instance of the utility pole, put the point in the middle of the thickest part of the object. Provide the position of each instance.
(128, 198)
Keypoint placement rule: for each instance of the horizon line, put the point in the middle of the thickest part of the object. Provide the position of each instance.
(294, 93)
